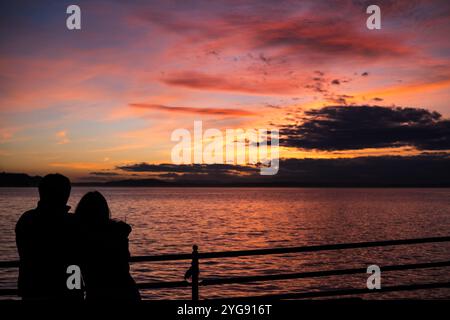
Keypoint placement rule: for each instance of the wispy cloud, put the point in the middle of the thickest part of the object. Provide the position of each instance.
(202, 111)
(62, 137)
(104, 173)
(250, 84)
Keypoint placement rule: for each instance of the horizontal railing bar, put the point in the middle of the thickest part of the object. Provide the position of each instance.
(311, 274)
(326, 247)
(315, 274)
(342, 292)
(254, 252)
(162, 257)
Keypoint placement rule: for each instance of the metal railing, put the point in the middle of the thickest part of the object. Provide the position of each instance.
(195, 257)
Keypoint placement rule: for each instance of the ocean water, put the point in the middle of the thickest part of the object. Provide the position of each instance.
(171, 220)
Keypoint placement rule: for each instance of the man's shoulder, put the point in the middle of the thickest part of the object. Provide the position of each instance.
(26, 218)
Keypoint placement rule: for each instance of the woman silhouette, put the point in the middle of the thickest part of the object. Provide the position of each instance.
(104, 252)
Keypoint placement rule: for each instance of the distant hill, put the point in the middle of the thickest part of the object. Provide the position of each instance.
(18, 180)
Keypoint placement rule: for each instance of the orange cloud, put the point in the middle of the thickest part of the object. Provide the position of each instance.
(78, 165)
(62, 137)
(408, 89)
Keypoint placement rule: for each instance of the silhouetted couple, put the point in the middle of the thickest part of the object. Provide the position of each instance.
(50, 239)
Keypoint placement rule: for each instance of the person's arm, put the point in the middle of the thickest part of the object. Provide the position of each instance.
(123, 251)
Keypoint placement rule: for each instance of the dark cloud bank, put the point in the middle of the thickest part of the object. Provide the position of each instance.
(427, 170)
(359, 127)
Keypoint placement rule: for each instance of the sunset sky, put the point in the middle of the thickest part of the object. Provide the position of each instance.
(97, 101)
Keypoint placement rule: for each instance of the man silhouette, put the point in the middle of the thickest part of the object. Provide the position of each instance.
(46, 242)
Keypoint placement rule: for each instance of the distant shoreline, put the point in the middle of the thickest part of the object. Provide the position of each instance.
(20, 180)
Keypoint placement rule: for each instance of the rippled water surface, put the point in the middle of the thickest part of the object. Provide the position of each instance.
(170, 220)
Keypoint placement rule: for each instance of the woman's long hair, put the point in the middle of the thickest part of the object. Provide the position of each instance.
(93, 210)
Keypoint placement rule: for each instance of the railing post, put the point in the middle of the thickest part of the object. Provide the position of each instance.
(195, 272)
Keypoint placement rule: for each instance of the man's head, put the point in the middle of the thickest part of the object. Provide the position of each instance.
(54, 190)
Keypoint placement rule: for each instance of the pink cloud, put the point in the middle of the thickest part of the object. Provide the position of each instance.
(251, 85)
(203, 111)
